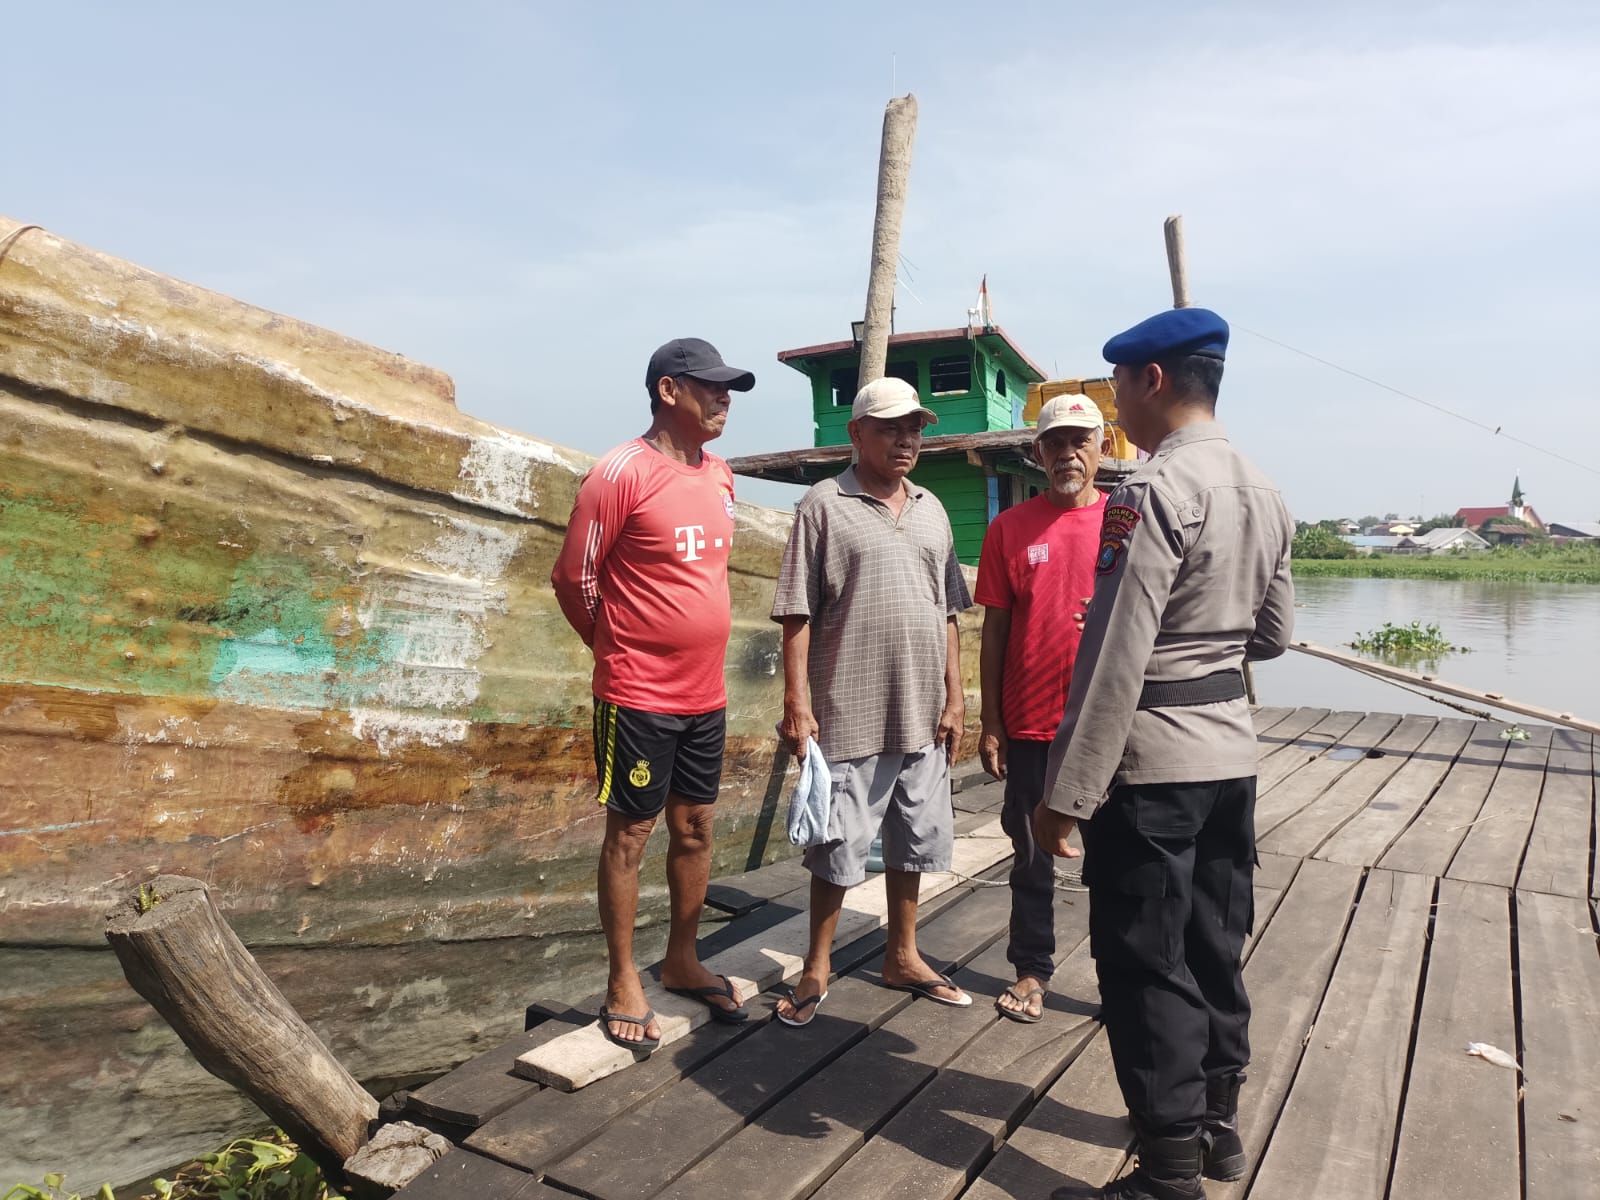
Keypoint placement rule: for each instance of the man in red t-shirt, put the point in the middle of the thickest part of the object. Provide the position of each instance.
(1035, 577)
(643, 578)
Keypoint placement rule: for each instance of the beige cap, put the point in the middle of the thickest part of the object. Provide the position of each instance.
(1077, 412)
(889, 398)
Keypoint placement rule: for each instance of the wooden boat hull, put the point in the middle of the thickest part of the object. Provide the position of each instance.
(277, 616)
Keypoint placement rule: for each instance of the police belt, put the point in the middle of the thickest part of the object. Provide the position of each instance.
(1182, 693)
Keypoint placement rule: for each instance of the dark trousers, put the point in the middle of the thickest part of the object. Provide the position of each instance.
(1032, 949)
(1170, 869)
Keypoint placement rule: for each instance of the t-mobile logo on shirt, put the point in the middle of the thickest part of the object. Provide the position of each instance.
(692, 540)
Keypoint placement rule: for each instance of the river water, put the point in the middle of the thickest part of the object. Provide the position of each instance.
(1534, 642)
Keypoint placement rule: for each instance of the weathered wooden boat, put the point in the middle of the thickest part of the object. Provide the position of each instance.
(277, 616)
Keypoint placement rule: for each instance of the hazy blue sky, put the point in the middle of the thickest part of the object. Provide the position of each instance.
(533, 196)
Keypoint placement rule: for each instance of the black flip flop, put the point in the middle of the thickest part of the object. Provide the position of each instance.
(726, 1016)
(924, 988)
(800, 1006)
(1022, 1014)
(643, 1022)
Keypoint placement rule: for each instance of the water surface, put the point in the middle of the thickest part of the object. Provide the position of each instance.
(1534, 642)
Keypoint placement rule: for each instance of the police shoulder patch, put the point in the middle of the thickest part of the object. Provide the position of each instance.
(1115, 527)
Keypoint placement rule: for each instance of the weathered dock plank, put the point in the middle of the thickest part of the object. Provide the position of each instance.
(583, 1056)
(1319, 820)
(1378, 825)
(1291, 728)
(483, 1086)
(638, 1154)
(1431, 841)
(1458, 1129)
(934, 1145)
(461, 1174)
(1286, 975)
(805, 1138)
(1265, 716)
(1077, 1134)
(1557, 859)
(1276, 765)
(1335, 1135)
(550, 1124)
(1492, 851)
(980, 796)
(1275, 804)
(1559, 979)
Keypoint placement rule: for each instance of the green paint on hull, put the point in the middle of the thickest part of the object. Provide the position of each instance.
(94, 601)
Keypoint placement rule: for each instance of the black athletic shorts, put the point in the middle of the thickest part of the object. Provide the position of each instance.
(641, 756)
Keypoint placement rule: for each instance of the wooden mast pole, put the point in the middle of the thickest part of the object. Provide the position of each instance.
(894, 172)
(1178, 270)
(1172, 229)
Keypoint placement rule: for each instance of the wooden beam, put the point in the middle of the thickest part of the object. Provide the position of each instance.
(1493, 699)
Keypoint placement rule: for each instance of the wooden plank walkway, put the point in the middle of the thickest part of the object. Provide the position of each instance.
(1425, 883)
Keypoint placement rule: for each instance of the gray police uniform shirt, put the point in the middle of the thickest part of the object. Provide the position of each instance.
(1192, 578)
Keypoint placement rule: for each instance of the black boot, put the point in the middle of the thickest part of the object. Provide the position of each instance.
(1168, 1169)
(1220, 1145)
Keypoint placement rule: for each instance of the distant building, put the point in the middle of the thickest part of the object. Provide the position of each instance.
(1442, 541)
(985, 390)
(1476, 518)
(1347, 527)
(1372, 543)
(1575, 529)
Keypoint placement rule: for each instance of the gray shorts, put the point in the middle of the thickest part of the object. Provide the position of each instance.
(907, 795)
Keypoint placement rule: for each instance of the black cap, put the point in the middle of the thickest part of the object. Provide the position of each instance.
(698, 359)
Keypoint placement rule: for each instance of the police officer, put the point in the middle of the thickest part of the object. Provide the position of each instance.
(1156, 753)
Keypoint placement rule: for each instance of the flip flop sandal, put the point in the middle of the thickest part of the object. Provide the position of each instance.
(726, 1016)
(924, 988)
(800, 1006)
(643, 1022)
(1022, 1014)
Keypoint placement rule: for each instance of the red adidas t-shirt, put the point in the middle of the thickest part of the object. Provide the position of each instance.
(643, 577)
(1038, 561)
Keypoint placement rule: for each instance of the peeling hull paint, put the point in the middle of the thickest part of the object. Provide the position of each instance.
(278, 617)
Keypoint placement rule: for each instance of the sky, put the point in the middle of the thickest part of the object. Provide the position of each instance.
(532, 197)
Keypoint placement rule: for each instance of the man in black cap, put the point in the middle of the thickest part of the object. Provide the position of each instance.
(643, 579)
(1157, 747)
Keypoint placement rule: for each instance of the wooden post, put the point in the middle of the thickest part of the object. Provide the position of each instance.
(894, 171)
(180, 955)
(1172, 228)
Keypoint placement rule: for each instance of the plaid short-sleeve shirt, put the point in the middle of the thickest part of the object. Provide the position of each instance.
(878, 593)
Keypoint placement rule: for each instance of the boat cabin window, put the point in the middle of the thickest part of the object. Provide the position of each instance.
(843, 381)
(1000, 383)
(950, 376)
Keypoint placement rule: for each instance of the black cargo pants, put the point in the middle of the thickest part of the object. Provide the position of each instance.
(1170, 870)
(1031, 949)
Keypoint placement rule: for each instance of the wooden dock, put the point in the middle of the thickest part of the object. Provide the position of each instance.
(1425, 883)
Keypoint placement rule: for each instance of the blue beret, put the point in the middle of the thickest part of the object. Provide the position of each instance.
(1177, 331)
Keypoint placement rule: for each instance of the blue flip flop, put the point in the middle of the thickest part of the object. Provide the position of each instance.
(644, 1043)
